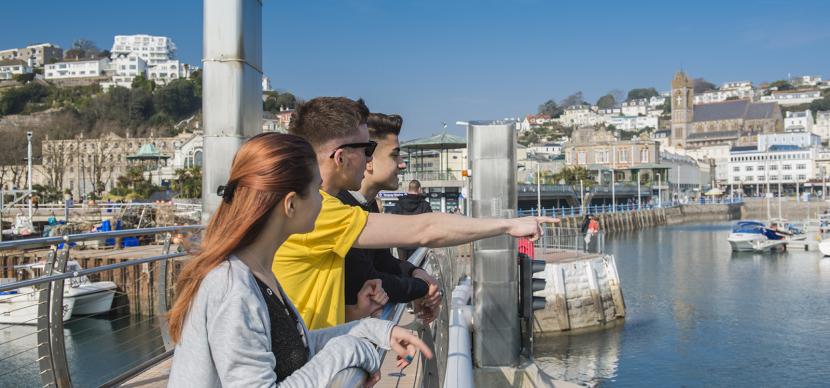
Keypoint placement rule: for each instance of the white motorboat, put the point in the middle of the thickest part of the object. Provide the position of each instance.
(747, 236)
(824, 247)
(80, 297)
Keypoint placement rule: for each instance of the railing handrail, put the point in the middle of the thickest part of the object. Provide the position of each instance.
(46, 241)
(353, 377)
(89, 271)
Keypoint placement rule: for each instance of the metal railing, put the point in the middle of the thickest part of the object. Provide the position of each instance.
(431, 372)
(59, 341)
(557, 239)
(628, 207)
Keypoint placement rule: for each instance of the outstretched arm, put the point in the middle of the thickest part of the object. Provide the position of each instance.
(435, 230)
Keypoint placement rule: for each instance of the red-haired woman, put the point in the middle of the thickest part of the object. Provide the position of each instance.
(231, 321)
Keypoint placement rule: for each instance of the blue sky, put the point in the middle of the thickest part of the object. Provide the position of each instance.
(434, 61)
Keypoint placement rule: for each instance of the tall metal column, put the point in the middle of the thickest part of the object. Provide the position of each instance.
(231, 88)
(492, 148)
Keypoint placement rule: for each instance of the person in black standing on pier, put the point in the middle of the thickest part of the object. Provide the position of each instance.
(403, 282)
(411, 203)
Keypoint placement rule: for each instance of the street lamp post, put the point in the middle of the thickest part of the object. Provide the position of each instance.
(538, 190)
(639, 204)
(659, 189)
(29, 178)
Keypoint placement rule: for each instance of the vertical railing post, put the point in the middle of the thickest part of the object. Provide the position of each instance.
(161, 296)
(56, 312)
(44, 341)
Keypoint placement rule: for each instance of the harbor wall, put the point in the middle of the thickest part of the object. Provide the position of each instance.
(756, 208)
(580, 293)
(638, 219)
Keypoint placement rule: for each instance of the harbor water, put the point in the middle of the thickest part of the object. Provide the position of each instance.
(98, 349)
(698, 314)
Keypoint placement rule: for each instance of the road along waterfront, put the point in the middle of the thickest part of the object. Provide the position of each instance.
(699, 315)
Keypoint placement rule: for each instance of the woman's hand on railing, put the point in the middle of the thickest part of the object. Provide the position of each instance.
(406, 344)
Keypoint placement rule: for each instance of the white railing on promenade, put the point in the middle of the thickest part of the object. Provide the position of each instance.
(628, 207)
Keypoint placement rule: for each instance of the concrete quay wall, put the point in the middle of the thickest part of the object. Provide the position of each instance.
(579, 294)
(756, 208)
(635, 220)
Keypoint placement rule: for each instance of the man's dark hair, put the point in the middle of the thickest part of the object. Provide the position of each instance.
(381, 125)
(414, 185)
(325, 118)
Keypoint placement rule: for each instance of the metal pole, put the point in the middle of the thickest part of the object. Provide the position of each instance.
(232, 88)
(497, 340)
(659, 190)
(639, 205)
(581, 197)
(538, 190)
(29, 178)
(613, 192)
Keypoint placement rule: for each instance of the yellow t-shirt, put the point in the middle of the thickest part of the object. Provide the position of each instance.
(310, 266)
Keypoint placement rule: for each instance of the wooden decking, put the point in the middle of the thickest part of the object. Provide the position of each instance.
(156, 377)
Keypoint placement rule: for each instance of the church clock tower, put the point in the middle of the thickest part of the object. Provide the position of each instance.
(682, 108)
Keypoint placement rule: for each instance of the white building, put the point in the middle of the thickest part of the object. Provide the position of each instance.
(689, 172)
(609, 111)
(551, 149)
(164, 72)
(792, 97)
(633, 123)
(153, 50)
(35, 55)
(752, 168)
(9, 69)
(719, 154)
(798, 138)
(635, 107)
(822, 127)
(580, 116)
(77, 69)
(266, 83)
(656, 101)
(806, 80)
(124, 69)
(799, 120)
(729, 90)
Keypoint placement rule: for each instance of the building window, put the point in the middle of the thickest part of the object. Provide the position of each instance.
(801, 166)
(749, 179)
(736, 169)
(644, 156)
(749, 168)
(788, 177)
(773, 178)
(802, 177)
(760, 178)
(787, 167)
(581, 158)
(761, 168)
(773, 167)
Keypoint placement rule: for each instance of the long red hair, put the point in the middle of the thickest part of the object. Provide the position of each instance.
(265, 169)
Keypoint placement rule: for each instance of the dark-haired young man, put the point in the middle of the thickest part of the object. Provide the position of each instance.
(311, 266)
(402, 281)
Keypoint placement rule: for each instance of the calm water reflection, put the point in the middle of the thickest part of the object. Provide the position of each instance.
(98, 349)
(699, 315)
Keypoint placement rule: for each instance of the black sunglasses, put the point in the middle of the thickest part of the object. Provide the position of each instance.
(369, 148)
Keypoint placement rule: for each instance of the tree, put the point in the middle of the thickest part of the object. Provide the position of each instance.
(573, 99)
(141, 82)
(550, 108)
(618, 95)
(82, 48)
(701, 85)
(636, 94)
(606, 102)
(24, 78)
(15, 100)
(781, 85)
(54, 159)
(177, 99)
(572, 176)
(188, 182)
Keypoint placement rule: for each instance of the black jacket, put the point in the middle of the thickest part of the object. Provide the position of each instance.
(412, 204)
(364, 264)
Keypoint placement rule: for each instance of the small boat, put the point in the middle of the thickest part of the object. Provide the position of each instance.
(746, 235)
(80, 297)
(824, 247)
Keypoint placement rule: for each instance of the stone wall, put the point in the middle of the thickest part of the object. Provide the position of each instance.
(756, 208)
(580, 294)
